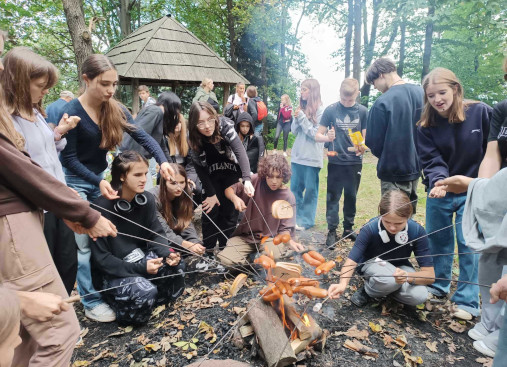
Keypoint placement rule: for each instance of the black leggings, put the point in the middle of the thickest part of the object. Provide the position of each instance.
(285, 126)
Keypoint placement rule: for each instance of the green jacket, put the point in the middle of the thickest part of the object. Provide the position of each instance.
(202, 96)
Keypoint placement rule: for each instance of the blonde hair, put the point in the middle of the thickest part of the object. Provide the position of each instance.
(179, 142)
(205, 82)
(458, 107)
(349, 87)
(287, 98)
(10, 315)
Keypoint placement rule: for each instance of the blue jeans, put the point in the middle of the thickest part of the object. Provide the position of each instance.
(439, 214)
(305, 179)
(90, 192)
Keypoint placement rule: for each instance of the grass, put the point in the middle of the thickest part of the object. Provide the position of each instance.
(368, 196)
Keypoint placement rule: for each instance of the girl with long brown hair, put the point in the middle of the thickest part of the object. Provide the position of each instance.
(103, 122)
(176, 210)
(384, 260)
(220, 160)
(26, 79)
(452, 137)
(307, 153)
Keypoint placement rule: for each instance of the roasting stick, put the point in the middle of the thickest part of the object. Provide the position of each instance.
(318, 305)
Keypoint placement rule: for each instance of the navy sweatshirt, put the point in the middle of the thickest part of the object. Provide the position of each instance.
(391, 132)
(454, 149)
(82, 155)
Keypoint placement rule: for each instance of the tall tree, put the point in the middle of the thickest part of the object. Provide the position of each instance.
(126, 7)
(401, 62)
(348, 36)
(356, 63)
(369, 43)
(81, 35)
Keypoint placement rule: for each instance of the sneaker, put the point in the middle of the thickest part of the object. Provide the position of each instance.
(478, 332)
(480, 346)
(203, 264)
(101, 313)
(360, 298)
(284, 154)
(462, 315)
(299, 228)
(349, 234)
(331, 239)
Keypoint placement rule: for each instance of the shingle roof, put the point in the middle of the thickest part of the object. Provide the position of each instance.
(165, 50)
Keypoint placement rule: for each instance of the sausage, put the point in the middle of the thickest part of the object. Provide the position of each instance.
(312, 292)
(266, 290)
(286, 238)
(265, 262)
(325, 268)
(310, 260)
(288, 287)
(317, 256)
(279, 284)
(273, 296)
(264, 239)
(277, 240)
(302, 282)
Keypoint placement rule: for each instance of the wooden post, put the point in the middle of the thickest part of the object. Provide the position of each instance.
(227, 91)
(135, 96)
(270, 334)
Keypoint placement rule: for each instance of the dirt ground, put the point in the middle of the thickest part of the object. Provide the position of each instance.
(194, 327)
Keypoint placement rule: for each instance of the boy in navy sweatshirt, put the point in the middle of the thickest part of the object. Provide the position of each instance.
(392, 128)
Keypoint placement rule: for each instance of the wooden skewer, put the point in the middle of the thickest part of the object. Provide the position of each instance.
(318, 306)
(72, 299)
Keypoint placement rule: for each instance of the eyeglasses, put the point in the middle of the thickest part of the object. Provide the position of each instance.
(203, 124)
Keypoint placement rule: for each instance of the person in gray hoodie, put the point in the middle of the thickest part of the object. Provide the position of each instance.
(307, 154)
(205, 94)
(485, 230)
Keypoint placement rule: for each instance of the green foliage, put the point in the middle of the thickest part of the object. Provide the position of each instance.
(270, 140)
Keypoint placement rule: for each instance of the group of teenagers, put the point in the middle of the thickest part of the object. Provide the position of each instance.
(127, 241)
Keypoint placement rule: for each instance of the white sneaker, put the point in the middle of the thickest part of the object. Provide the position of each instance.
(299, 228)
(101, 313)
(462, 315)
(284, 154)
(478, 332)
(480, 346)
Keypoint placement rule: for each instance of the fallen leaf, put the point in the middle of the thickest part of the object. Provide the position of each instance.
(162, 362)
(152, 347)
(99, 344)
(105, 353)
(432, 346)
(356, 346)
(388, 340)
(122, 331)
(486, 362)
(80, 363)
(374, 327)
(238, 310)
(353, 332)
(401, 340)
(457, 327)
(225, 304)
(143, 339)
(452, 347)
(157, 311)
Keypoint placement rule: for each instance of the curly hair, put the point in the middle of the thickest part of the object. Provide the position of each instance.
(274, 163)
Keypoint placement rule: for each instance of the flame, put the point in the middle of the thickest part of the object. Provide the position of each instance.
(306, 320)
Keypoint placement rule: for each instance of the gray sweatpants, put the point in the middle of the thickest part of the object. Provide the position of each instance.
(379, 282)
(491, 268)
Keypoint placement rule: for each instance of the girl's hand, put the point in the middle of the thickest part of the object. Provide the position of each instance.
(107, 191)
(209, 203)
(67, 123)
(336, 290)
(197, 248)
(153, 265)
(167, 171)
(239, 204)
(296, 246)
(455, 184)
(400, 276)
(173, 259)
(437, 192)
(296, 113)
(249, 189)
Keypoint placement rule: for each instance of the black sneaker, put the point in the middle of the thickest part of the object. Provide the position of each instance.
(331, 239)
(349, 235)
(360, 298)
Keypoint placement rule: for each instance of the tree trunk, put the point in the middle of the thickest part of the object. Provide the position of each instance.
(232, 34)
(356, 63)
(264, 79)
(401, 63)
(348, 37)
(126, 17)
(369, 48)
(428, 39)
(81, 37)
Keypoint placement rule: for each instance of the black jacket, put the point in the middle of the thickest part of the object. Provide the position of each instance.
(254, 144)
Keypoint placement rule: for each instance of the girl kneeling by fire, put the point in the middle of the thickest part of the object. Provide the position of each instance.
(385, 244)
(129, 263)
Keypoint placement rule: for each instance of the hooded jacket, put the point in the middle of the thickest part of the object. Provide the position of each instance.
(254, 144)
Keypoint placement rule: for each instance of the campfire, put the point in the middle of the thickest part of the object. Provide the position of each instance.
(283, 332)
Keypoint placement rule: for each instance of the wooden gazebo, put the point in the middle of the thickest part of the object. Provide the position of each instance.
(165, 53)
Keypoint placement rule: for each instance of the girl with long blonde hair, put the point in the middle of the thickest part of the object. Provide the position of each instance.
(452, 137)
(307, 153)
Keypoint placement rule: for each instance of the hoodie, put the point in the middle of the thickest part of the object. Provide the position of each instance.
(202, 96)
(254, 144)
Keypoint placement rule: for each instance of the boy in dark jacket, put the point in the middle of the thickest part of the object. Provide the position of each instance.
(254, 144)
(253, 98)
